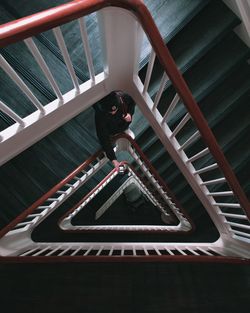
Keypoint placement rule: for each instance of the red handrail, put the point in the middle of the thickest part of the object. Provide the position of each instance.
(114, 170)
(29, 26)
(156, 175)
(80, 168)
(48, 194)
(34, 24)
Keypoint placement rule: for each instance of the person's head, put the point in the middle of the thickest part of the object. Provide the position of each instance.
(111, 103)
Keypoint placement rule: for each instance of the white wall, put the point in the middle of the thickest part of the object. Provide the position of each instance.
(242, 9)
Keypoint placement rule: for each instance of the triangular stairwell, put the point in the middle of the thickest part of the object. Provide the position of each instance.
(47, 129)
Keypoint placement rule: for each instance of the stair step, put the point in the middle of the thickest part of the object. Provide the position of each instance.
(210, 71)
(215, 20)
(146, 138)
(171, 16)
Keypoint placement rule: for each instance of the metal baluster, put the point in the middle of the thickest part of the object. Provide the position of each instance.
(87, 252)
(86, 46)
(220, 194)
(4, 108)
(61, 43)
(164, 79)
(41, 251)
(238, 225)
(236, 216)
(53, 251)
(190, 140)
(29, 251)
(169, 251)
(206, 252)
(170, 108)
(206, 169)
(240, 233)
(100, 251)
(199, 155)
(182, 123)
(214, 181)
(192, 251)
(41, 62)
(181, 252)
(149, 71)
(228, 205)
(64, 251)
(20, 83)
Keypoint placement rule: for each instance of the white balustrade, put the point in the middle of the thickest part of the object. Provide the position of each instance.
(164, 80)
(4, 108)
(87, 51)
(170, 108)
(61, 43)
(41, 62)
(149, 71)
(20, 83)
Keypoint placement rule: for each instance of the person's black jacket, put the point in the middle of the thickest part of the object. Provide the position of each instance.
(108, 124)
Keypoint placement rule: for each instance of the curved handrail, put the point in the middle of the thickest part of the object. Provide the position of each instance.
(29, 26)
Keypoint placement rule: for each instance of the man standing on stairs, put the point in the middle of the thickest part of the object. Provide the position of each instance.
(113, 115)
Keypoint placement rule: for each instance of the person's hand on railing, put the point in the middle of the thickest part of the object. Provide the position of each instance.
(116, 164)
(119, 166)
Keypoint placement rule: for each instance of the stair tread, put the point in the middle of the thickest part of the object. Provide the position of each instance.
(215, 20)
(170, 17)
(210, 71)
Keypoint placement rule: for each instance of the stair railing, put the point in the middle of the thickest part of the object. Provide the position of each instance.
(125, 252)
(156, 193)
(51, 200)
(123, 75)
(134, 181)
(231, 216)
(23, 225)
(22, 131)
(17, 245)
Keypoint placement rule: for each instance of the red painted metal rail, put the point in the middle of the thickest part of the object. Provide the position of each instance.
(48, 194)
(32, 25)
(80, 168)
(160, 181)
(114, 170)
(157, 176)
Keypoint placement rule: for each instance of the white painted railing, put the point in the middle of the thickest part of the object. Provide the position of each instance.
(102, 252)
(120, 71)
(162, 201)
(122, 250)
(222, 213)
(53, 199)
(131, 180)
(47, 117)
